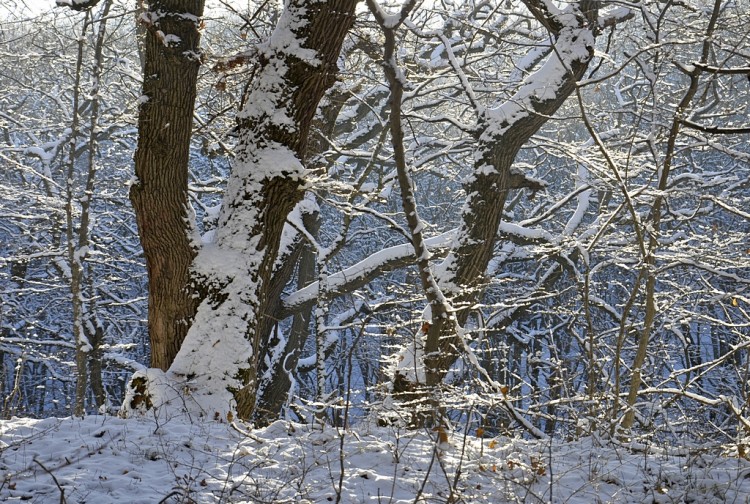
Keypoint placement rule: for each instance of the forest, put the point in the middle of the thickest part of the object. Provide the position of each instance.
(527, 217)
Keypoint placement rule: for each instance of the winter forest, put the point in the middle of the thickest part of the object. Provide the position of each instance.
(519, 220)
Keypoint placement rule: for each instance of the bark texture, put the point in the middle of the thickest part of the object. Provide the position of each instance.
(225, 347)
(159, 193)
(283, 355)
(326, 26)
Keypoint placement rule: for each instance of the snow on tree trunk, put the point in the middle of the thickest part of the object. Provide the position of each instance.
(76, 251)
(215, 370)
(501, 132)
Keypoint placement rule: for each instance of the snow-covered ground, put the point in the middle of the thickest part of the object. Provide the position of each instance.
(104, 459)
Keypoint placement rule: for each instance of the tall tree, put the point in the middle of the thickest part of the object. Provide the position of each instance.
(219, 358)
(79, 240)
(501, 131)
(159, 194)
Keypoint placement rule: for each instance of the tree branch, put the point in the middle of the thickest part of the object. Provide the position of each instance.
(717, 130)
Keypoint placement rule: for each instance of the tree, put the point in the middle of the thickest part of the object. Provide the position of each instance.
(69, 316)
(377, 228)
(172, 57)
(233, 274)
(501, 132)
(78, 242)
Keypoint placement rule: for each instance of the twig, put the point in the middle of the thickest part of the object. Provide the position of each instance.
(59, 487)
(246, 433)
(178, 493)
(463, 447)
(427, 474)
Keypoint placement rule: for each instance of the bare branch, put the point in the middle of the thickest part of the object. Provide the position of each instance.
(720, 70)
(716, 130)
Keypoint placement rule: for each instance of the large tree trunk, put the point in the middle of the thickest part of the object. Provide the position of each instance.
(159, 192)
(218, 363)
(320, 28)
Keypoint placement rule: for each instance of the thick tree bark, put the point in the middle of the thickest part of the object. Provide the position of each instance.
(283, 354)
(218, 363)
(159, 192)
(324, 27)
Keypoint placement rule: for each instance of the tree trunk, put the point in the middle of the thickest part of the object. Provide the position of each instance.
(159, 192)
(656, 215)
(96, 338)
(284, 366)
(218, 362)
(76, 243)
(502, 133)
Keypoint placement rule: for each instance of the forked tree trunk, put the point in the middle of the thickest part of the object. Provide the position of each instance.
(220, 357)
(502, 133)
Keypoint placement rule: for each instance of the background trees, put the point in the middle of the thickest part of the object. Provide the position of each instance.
(67, 242)
(578, 175)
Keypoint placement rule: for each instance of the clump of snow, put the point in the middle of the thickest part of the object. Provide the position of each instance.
(148, 388)
(573, 44)
(269, 88)
(170, 459)
(168, 39)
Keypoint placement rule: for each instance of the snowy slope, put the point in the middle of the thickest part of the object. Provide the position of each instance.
(103, 459)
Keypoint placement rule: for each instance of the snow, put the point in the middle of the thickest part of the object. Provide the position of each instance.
(71, 3)
(360, 269)
(148, 460)
(213, 352)
(45, 156)
(217, 351)
(573, 44)
(532, 234)
(228, 260)
(389, 21)
(81, 253)
(168, 39)
(269, 87)
(583, 202)
(527, 62)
